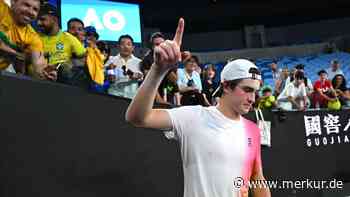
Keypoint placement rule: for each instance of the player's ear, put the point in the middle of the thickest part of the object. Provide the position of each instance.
(226, 87)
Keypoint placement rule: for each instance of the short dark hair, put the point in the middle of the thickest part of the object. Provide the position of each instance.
(47, 9)
(192, 57)
(300, 66)
(103, 47)
(266, 89)
(232, 84)
(219, 92)
(156, 35)
(321, 72)
(74, 20)
(126, 36)
(196, 59)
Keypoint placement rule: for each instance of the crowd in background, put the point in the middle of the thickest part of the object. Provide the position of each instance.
(78, 58)
(293, 90)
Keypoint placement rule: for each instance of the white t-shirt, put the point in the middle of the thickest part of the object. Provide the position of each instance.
(183, 79)
(215, 150)
(293, 91)
(123, 86)
(331, 74)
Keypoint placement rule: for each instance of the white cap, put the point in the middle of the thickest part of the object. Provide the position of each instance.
(240, 69)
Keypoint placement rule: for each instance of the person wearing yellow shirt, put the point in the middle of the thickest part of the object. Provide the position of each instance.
(76, 26)
(59, 47)
(19, 43)
(94, 58)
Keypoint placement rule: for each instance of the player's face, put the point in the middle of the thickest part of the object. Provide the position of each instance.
(242, 96)
(25, 11)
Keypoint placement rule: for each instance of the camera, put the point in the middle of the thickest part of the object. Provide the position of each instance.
(190, 83)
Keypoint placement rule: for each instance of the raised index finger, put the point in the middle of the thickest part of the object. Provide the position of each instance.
(179, 32)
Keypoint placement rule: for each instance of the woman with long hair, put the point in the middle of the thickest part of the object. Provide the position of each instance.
(343, 93)
(209, 84)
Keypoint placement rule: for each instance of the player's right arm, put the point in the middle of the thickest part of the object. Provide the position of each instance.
(140, 111)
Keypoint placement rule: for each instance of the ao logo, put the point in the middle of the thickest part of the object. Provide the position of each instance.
(92, 18)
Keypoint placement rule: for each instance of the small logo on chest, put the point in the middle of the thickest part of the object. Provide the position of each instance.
(60, 46)
(250, 143)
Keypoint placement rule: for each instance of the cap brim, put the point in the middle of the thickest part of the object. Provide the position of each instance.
(217, 91)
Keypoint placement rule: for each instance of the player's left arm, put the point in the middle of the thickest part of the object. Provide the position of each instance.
(258, 177)
(262, 191)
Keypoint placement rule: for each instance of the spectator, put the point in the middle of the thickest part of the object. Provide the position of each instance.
(276, 73)
(94, 60)
(308, 84)
(342, 92)
(169, 90)
(196, 63)
(18, 40)
(209, 84)
(267, 100)
(156, 39)
(294, 94)
(335, 103)
(291, 76)
(322, 92)
(281, 82)
(104, 48)
(59, 47)
(124, 69)
(75, 26)
(190, 84)
(334, 69)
